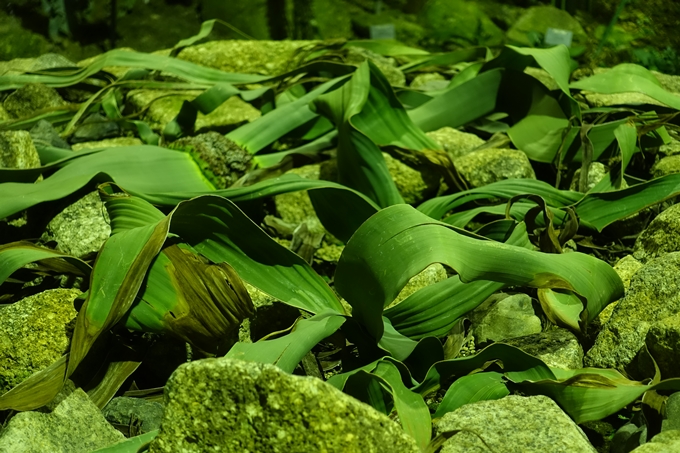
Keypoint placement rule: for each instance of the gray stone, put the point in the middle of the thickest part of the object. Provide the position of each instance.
(81, 228)
(235, 406)
(296, 207)
(34, 333)
(455, 142)
(388, 66)
(504, 316)
(246, 56)
(459, 22)
(163, 107)
(664, 442)
(414, 186)
(626, 267)
(670, 149)
(538, 19)
(557, 348)
(75, 426)
(485, 166)
(653, 295)
(596, 171)
(222, 160)
(660, 237)
(666, 166)
(30, 98)
(123, 410)
(432, 274)
(663, 342)
(17, 150)
(45, 135)
(95, 127)
(513, 424)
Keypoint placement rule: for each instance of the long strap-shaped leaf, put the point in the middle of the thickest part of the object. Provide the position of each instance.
(399, 242)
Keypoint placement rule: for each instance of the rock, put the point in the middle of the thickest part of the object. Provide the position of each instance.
(261, 409)
(30, 98)
(664, 442)
(460, 23)
(221, 160)
(75, 426)
(670, 149)
(296, 207)
(44, 134)
(429, 81)
(513, 424)
(34, 333)
(671, 419)
(44, 61)
(107, 143)
(17, 150)
(504, 316)
(596, 171)
(626, 267)
(660, 237)
(388, 66)
(666, 166)
(455, 142)
(271, 315)
(663, 342)
(485, 166)
(538, 19)
(557, 348)
(95, 127)
(165, 105)
(413, 185)
(81, 228)
(123, 410)
(653, 295)
(245, 56)
(432, 274)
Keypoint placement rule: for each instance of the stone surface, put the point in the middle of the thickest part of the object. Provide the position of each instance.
(653, 295)
(81, 228)
(666, 166)
(596, 171)
(660, 237)
(432, 274)
(75, 426)
(513, 424)
(411, 183)
(296, 207)
(557, 348)
(663, 342)
(34, 333)
(626, 267)
(459, 22)
(221, 160)
(428, 81)
(502, 316)
(388, 66)
(245, 56)
(107, 143)
(485, 166)
(235, 406)
(455, 142)
(95, 127)
(30, 98)
(123, 410)
(43, 134)
(165, 105)
(17, 150)
(271, 315)
(670, 149)
(664, 442)
(538, 19)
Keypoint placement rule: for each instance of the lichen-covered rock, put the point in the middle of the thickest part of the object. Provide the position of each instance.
(660, 237)
(270, 315)
(653, 295)
(75, 426)
(234, 406)
(34, 333)
(388, 66)
(107, 143)
(429, 81)
(30, 98)
(455, 142)
(413, 186)
(81, 228)
(459, 22)
(165, 105)
(664, 442)
(485, 166)
(296, 207)
(222, 161)
(432, 274)
(44, 134)
(670, 149)
(557, 348)
(663, 342)
(17, 150)
(626, 267)
(123, 410)
(538, 19)
(246, 56)
(513, 424)
(504, 316)
(596, 171)
(95, 127)
(666, 166)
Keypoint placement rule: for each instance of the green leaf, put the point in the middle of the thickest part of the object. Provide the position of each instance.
(287, 351)
(470, 389)
(130, 445)
(398, 242)
(15, 255)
